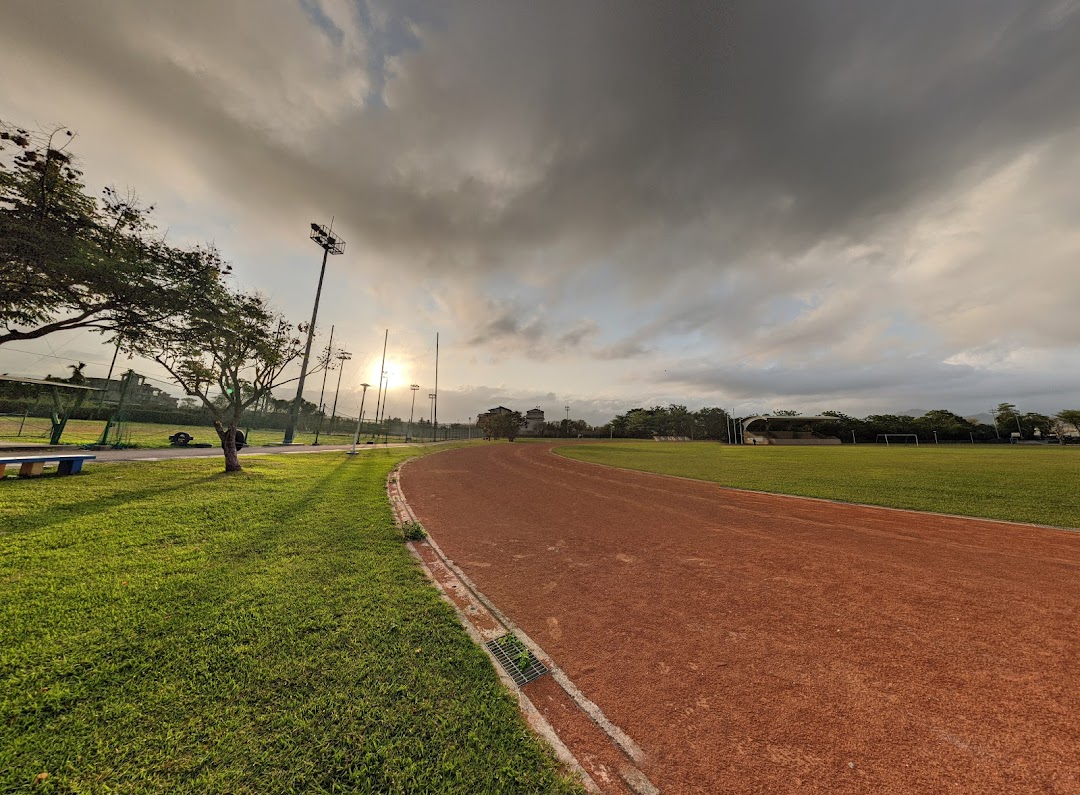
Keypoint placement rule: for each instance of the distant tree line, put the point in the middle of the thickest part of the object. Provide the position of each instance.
(713, 423)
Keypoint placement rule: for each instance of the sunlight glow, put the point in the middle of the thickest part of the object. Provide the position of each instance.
(397, 374)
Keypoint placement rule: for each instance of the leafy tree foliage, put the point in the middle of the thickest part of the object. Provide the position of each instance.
(68, 261)
(673, 420)
(227, 349)
(501, 426)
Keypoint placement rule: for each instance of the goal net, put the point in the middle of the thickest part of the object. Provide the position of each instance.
(16, 426)
(897, 438)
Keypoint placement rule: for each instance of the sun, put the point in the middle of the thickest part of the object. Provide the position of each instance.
(396, 374)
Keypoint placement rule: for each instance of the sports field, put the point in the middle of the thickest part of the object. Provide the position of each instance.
(752, 643)
(1018, 483)
(168, 628)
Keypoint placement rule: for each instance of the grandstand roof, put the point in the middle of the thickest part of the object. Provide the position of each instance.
(42, 382)
(797, 418)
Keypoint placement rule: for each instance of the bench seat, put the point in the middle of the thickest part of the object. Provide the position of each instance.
(67, 463)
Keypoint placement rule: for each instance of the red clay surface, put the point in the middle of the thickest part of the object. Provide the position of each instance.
(755, 643)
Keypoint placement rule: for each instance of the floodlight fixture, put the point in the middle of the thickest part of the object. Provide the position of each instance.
(327, 240)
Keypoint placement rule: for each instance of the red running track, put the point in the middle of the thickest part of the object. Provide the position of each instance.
(759, 643)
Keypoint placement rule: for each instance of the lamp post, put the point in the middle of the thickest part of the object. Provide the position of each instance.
(412, 411)
(431, 397)
(330, 244)
(322, 389)
(567, 407)
(470, 427)
(359, 419)
(378, 404)
(342, 357)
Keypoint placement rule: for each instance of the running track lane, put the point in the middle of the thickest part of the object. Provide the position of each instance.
(758, 643)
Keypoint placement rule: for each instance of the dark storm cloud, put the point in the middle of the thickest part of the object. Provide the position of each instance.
(605, 128)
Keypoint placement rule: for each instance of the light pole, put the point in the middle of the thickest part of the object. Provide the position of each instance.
(342, 357)
(412, 411)
(359, 419)
(567, 407)
(330, 244)
(379, 402)
(470, 427)
(322, 390)
(431, 397)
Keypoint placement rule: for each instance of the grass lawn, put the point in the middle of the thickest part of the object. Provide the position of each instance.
(169, 628)
(1015, 482)
(152, 434)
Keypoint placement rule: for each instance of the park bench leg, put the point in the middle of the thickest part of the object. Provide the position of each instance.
(74, 467)
(67, 467)
(2, 468)
(31, 468)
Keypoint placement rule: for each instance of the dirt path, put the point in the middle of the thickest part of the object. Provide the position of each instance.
(755, 643)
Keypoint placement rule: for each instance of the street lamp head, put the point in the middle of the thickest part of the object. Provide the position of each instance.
(365, 386)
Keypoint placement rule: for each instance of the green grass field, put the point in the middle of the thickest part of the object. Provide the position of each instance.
(156, 435)
(168, 628)
(1013, 482)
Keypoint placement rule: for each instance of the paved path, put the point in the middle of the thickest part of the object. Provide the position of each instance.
(759, 643)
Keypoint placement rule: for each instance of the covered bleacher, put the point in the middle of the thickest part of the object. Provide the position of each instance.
(785, 430)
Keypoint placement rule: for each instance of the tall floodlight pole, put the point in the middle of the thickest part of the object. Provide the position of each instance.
(412, 411)
(342, 357)
(382, 374)
(330, 244)
(470, 427)
(431, 397)
(567, 407)
(359, 419)
(435, 405)
(322, 391)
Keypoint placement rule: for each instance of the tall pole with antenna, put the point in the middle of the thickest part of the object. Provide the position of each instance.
(412, 411)
(322, 391)
(342, 357)
(382, 372)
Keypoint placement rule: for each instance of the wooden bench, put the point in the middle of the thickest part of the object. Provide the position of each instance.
(67, 463)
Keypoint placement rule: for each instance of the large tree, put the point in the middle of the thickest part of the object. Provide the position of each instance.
(503, 425)
(70, 262)
(228, 349)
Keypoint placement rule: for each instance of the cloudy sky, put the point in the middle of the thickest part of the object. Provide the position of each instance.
(862, 206)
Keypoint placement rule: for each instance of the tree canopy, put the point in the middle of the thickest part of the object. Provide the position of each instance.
(69, 261)
(226, 348)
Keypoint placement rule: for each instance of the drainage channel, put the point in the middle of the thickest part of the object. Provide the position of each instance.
(516, 659)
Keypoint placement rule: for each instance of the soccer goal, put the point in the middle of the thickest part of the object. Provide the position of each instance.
(898, 438)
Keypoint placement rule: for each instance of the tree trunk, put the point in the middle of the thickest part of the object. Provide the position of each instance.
(228, 445)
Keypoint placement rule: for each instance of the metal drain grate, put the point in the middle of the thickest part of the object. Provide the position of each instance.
(516, 659)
